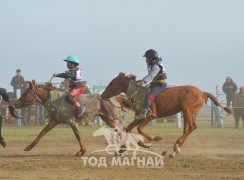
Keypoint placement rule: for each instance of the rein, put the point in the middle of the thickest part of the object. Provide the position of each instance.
(26, 102)
(115, 105)
(36, 98)
(132, 91)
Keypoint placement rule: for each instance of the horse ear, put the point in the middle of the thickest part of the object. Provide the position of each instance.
(121, 74)
(32, 84)
(134, 77)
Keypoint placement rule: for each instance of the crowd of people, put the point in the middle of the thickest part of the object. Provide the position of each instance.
(234, 99)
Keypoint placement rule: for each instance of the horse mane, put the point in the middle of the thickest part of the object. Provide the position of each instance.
(132, 76)
(47, 86)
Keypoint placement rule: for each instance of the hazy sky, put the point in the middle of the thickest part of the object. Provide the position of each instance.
(201, 41)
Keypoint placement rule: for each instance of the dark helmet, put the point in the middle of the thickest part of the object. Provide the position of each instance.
(151, 53)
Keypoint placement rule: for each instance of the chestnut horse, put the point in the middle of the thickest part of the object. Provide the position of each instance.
(108, 111)
(187, 99)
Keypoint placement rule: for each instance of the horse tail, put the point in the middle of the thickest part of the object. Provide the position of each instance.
(4, 95)
(216, 102)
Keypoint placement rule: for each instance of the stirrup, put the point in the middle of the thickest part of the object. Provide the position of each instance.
(80, 111)
(141, 116)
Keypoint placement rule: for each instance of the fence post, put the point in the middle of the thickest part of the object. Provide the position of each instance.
(217, 120)
(178, 120)
(18, 94)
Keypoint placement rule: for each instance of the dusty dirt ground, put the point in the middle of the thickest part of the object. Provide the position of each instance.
(209, 153)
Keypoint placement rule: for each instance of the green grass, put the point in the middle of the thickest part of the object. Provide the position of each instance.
(18, 134)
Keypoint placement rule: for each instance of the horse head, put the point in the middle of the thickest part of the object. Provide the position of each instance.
(34, 93)
(118, 85)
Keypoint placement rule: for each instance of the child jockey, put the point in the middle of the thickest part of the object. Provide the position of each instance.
(156, 78)
(74, 77)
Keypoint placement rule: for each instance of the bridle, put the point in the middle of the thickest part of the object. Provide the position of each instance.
(121, 107)
(35, 98)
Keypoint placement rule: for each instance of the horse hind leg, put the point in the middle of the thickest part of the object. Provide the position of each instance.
(78, 137)
(189, 127)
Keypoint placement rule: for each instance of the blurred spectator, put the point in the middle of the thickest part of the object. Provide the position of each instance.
(238, 107)
(18, 81)
(40, 118)
(87, 90)
(64, 86)
(229, 88)
(26, 112)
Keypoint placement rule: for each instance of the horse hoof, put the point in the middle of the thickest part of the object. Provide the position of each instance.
(121, 151)
(158, 138)
(80, 153)
(172, 155)
(27, 148)
(164, 153)
(177, 150)
(3, 143)
(117, 154)
(142, 144)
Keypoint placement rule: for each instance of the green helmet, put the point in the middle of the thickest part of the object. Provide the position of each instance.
(72, 58)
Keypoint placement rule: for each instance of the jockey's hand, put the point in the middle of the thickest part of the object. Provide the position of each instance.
(138, 83)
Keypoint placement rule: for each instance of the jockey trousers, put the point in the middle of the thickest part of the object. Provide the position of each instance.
(76, 92)
(155, 89)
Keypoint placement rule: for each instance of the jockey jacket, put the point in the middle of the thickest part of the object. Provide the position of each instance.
(156, 74)
(74, 77)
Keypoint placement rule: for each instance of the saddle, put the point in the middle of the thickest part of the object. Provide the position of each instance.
(59, 108)
(136, 96)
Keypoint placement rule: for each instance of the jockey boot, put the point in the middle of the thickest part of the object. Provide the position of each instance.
(142, 115)
(79, 111)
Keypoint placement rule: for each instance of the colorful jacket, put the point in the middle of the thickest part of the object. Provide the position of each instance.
(74, 77)
(156, 74)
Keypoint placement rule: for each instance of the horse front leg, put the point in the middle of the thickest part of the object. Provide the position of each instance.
(189, 127)
(76, 131)
(142, 126)
(49, 126)
(121, 133)
(2, 142)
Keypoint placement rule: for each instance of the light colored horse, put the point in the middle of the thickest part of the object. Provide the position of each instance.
(59, 111)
